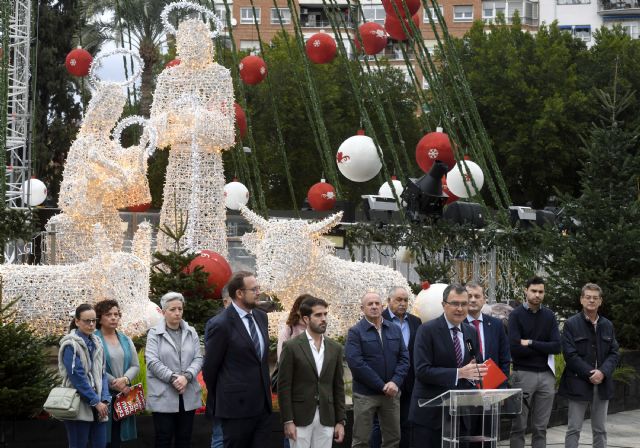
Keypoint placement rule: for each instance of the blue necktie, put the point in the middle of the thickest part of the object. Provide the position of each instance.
(254, 334)
(456, 346)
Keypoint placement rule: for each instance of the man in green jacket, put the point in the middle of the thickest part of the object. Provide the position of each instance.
(311, 384)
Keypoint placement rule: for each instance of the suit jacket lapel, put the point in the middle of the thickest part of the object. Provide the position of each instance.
(329, 353)
(303, 342)
(448, 340)
(241, 329)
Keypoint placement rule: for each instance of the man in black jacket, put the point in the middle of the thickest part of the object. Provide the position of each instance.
(591, 354)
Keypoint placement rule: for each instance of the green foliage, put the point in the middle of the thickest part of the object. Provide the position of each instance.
(625, 374)
(14, 225)
(169, 273)
(25, 379)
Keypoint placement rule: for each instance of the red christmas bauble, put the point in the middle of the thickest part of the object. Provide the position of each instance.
(321, 196)
(394, 27)
(445, 189)
(321, 48)
(139, 208)
(434, 146)
(412, 5)
(253, 70)
(78, 62)
(172, 63)
(374, 38)
(241, 120)
(216, 266)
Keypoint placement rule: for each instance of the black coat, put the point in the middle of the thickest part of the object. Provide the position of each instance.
(581, 347)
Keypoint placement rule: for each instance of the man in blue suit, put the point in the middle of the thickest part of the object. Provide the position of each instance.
(236, 368)
(492, 337)
(442, 362)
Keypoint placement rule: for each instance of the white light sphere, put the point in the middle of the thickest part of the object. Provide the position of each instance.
(385, 188)
(236, 195)
(405, 255)
(428, 304)
(152, 314)
(456, 179)
(358, 159)
(36, 191)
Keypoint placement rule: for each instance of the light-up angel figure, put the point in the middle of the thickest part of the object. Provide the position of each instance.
(193, 112)
(100, 176)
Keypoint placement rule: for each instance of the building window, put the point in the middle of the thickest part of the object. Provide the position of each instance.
(490, 10)
(374, 13)
(221, 12)
(463, 13)
(249, 45)
(573, 2)
(285, 16)
(433, 15)
(582, 32)
(425, 84)
(246, 16)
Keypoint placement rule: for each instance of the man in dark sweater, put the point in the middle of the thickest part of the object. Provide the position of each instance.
(534, 339)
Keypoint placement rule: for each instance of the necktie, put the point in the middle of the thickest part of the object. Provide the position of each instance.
(476, 323)
(254, 334)
(456, 346)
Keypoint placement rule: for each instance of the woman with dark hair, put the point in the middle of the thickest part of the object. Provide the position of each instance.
(81, 365)
(294, 325)
(122, 367)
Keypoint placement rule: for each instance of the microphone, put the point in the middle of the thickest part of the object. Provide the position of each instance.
(472, 353)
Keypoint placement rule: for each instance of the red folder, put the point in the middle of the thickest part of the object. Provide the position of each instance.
(494, 377)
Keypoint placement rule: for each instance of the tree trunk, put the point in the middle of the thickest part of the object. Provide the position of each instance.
(149, 54)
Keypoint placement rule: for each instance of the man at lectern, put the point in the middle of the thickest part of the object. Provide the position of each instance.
(443, 361)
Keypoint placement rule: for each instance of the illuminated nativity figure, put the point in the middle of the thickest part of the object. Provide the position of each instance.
(193, 112)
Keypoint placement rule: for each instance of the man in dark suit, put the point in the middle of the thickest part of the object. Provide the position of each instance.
(236, 369)
(442, 362)
(310, 382)
(492, 337)
(396, 312)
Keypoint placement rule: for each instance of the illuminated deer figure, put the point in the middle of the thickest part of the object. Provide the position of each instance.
(293, 258)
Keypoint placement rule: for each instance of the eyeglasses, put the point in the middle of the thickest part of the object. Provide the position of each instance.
(255, 290)
(457, 304)
(89, 321)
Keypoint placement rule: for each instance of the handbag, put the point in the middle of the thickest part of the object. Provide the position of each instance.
(126, 405)
(63, 403)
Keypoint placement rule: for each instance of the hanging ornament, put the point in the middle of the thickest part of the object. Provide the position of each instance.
(445, 189)
(358, 159)
(235, 195)
(78, 62)
(34, 192)
(385, 188)
(434, 146)
(374, 38)
(428, 304)
(412, 6)
(216, 266)
(172, 63)
(321, 48)
(394, 26)
(322, 196)
(253, 70)
(140, 208)
(241, 120)
(462, 175)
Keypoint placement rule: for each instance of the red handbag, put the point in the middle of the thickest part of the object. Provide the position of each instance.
(132, 403)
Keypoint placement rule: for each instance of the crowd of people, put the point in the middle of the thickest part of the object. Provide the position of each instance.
(396, 362)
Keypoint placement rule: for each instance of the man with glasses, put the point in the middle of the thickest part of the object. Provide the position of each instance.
(236, 367)
(534, 339)
(442, 362)
(591, 353)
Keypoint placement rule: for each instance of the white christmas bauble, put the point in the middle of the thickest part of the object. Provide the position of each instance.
(405, 255)
(456, 179)
(36, 190)
(358, 159)
(428, 303)
(152, 314)
(385, 189)
(235, 195)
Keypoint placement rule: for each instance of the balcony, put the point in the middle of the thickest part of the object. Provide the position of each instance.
(619, 8)
(318, 17)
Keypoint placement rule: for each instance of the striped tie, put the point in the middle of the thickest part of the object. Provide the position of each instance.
(254, 334)
(476, 323)
(456, 346)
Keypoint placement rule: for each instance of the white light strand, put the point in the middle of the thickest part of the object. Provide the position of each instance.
(169, 28)
(97, 64)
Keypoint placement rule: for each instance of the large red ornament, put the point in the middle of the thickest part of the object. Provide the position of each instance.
(445, 189)
(241, 120)
(321, 48)
(434, 146)
(412, 6)
(374, 38)
(139, 208)
(253, 70)
(78, 62)
(394, 27)
(172, 63)
(321, 196)
(216, 266)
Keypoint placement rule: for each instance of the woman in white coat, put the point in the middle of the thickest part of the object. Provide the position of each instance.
(174, 359)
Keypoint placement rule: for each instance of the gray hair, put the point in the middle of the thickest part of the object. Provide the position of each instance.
(394, 289)
(372, 292)
(170, 297)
